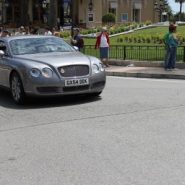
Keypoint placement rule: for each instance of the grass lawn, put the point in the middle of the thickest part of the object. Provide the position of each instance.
(151, 32)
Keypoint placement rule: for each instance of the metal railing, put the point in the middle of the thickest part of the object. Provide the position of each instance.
(129, 52)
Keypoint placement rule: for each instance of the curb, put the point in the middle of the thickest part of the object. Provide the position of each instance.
(180, 65)
(145, 75)
(144, 69)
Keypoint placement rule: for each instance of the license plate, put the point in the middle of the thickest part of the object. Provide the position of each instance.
(77, 82)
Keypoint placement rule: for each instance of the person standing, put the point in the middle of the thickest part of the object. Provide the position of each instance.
(21, 31)
(171, 43)
(103, 43)
(76, 39)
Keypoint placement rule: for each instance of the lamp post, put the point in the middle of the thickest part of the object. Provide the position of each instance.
(161, 7)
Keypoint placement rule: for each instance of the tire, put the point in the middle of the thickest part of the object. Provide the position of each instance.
(17, 89)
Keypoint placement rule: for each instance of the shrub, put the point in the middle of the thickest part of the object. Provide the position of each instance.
(126, 38)
(139, 40)
(112, 32)
(143, 39)
(121, 39)
(135, 39)
(130, 39)
(65, 34)
(148, 40)
(127, 29)
(148, 22)
(133, 26)
(89, 31)
(98, 29)
(109, 18)
(141, 25)
(122, 29)
(161, 41)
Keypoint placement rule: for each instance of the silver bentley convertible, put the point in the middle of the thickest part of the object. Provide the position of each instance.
(47, 66)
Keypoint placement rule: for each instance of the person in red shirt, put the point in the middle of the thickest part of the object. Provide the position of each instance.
(103, 43)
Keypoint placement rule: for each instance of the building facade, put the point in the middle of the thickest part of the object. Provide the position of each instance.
(78, 12)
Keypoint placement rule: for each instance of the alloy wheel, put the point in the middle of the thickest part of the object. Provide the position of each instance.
(17, 89)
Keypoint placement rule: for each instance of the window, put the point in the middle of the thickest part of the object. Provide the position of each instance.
(112, 7)
(91, 17)
(67, 5)
(124, 17)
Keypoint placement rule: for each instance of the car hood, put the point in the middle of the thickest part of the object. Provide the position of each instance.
(56, 59)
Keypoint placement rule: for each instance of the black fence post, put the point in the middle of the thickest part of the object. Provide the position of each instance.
(184, 54)
(124, 54)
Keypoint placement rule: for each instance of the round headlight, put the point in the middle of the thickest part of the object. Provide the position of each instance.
(95, 68)
(102, 67)
(35, 72)
(47, 72)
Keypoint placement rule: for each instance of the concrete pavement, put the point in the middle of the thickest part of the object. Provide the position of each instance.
(144, 70)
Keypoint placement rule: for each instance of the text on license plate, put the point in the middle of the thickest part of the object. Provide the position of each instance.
(77, 82)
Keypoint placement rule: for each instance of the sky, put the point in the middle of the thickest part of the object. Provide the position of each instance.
(175, 6)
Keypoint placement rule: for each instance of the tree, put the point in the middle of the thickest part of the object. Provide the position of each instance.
(180, 12)
(109, 18)
(176, 16)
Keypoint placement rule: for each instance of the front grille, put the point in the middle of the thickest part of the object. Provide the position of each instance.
(74, 70)
(76, 88)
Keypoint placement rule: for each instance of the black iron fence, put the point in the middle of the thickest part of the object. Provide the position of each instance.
(150, 53)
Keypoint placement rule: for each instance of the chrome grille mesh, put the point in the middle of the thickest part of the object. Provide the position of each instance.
(74, 70)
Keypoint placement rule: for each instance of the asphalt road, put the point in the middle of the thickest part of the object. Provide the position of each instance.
(132, 135)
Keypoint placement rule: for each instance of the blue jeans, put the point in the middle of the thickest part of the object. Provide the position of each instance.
(170, 58)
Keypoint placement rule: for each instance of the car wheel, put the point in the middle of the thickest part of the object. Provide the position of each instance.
(17, 89)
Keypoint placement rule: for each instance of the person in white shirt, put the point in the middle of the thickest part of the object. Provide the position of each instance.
(103, 43)
(21, 31)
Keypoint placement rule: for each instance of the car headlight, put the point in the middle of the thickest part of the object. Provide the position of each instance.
(35, 72)
(47, 72)
(96, 68)
(102, 68)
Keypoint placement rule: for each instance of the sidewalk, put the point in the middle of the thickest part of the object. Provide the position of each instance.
(145, 72)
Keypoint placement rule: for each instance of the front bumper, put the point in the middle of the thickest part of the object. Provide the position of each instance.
(57, 86)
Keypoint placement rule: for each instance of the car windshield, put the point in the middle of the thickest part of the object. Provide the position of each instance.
(39, 45)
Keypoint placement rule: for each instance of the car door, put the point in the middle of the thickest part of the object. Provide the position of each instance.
(4, 66)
